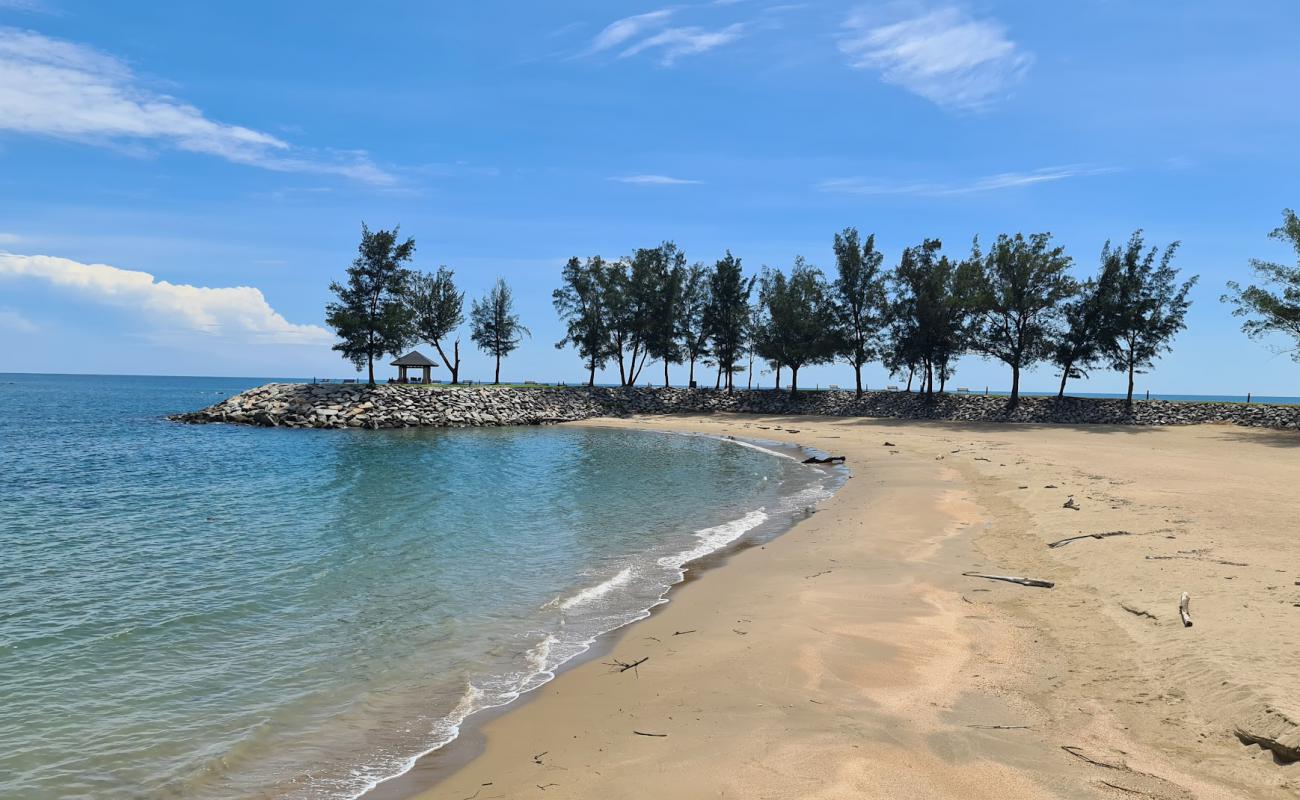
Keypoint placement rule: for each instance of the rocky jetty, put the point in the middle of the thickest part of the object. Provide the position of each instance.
(297, 405)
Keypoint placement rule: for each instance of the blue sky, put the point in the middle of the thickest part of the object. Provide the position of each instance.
(180, 182)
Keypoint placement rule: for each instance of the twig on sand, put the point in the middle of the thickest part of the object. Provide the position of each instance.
(1126, 789)
(683, 633)
(537, 759)
(1078, 753)
(624, 666)
(1198, 558)
(1068, 539)
(1184, 609)
(1002, 727)
(818, 574)
(891, 444)
(982, 458)
(547, 786)
(1070, 504)
(1141, 612)
(1012, 579)
(654, 735)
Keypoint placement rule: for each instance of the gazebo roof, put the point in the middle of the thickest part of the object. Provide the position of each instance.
(415, 359)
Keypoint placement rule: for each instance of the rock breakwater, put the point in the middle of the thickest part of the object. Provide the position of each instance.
(297, 405)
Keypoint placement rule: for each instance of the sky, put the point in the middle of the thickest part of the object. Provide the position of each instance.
(180, 182)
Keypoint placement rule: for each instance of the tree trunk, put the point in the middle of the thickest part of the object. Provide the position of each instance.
(453, 366)
(665, 373)
(1129, 400)
(794, 380)
(1065, 375)
(778, 375)
(717, 384)
(591, 379)
(857, 374)
(497, 379)
(370, 359)
(911, 373)
(455, 370)
(690, 375)
(1015, 384)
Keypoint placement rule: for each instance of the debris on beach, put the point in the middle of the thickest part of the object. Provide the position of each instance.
(1012, 579)
(827, 460)
(1068, 539)
(1070, 504)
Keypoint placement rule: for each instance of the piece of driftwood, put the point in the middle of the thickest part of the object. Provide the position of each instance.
(827, 460)
(1184, 611)
(1012, 579)
(1285, 753)
(889, 444)
(1001, 727)
(1070, 504)
(1068, 539)
(624, 666)
(1199, 558)
(655, 735)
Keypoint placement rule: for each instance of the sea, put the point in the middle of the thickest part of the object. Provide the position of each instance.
(218, 611)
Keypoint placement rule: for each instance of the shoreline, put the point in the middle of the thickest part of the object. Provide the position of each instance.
(464, 744)
(849, 658)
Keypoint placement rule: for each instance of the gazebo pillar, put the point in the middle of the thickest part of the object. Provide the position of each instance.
(401, 374)
(428, 378)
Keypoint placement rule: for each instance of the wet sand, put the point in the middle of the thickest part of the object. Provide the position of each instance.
(849, 658)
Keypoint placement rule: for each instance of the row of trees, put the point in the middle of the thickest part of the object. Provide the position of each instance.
(1016, 303)
(385, 307)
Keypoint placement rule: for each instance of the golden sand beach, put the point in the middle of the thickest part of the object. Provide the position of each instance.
(850, 658)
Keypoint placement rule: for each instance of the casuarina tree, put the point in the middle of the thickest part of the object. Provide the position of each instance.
(691, 331)
(1086, 320)
(801, 328)
(1150, 306)
(1273, 307)
(727, 317)
(437, 310)
(371, 316)
(1020, 286)
(859, 298)
(581, 304)
(496, 328)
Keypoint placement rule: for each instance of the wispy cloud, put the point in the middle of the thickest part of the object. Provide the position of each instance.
(648, 32)
(677, 42)
(238, 313)
(620, 31)
(655, 180)
(989, 183)
(9, 238)
(52, 87)
(13, 321)
(944, 55)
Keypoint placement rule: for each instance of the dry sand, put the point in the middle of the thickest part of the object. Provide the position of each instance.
(849, 658)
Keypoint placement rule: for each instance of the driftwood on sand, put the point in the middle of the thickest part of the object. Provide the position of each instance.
(827, 460)
(1184, 611)
(1068, 539)
(1012, 579)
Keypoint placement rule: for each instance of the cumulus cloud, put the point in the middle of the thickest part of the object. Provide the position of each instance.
(944, 55)
(654, 180)
(239, 313)
(57, 88)
(989, 183)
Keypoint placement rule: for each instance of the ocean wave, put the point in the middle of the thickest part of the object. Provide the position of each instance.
(598, 591)
(713, 539)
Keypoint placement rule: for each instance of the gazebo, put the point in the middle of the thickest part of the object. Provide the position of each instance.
(414, 359)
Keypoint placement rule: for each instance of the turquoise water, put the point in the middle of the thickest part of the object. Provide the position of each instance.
(217, 611)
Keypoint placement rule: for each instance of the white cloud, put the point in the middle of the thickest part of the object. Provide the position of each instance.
(52, 87)
(11, 320)
(1002, 180)
(624, 29)
(678, 42)
(239, 313)
(655, 180)
(943, 55)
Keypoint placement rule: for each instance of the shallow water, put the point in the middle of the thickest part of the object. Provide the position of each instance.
(217, 611)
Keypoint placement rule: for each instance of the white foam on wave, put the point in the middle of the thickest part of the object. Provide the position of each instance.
(598, 591)
(713, 539)
(753, 446)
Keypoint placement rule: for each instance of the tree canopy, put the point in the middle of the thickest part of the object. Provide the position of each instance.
(437, 309)
(496, 328)
(861, 306)
(1274, 306)
(371, 316)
